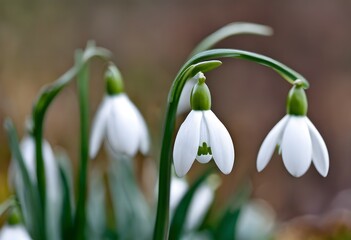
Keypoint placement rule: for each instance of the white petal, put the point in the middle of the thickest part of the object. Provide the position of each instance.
(14, 232)
(99, 126)
(220, 142)
(184, 100)
(178, 188)
(256, 220)
(204, 138)
(204, 158)
(123, 126)
(269, 144)
(54, 193)
(320, 155)
(186, 143)
(199, 206)
(143, 131)
(297, 146)
(28, 153)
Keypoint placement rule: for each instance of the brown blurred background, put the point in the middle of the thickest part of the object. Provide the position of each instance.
(150, 40)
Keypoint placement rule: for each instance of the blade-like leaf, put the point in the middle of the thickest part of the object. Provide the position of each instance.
(5, 206)
(132, 213)
(96, 214)
(68, 197)
(227, 224)
(230, 30)
(26, 192)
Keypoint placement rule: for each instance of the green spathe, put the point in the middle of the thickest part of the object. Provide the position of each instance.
(114, 82)
(297, 101)
(200, 96)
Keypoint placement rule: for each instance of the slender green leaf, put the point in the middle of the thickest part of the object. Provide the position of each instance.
(227, 224)
(68, 197)
(27, 194)
(8, 204)
(96, 215)
(230, 30)
(130, 207)
(42, 103)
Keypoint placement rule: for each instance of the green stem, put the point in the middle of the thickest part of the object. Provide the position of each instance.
(189, 69)
(40, 171)
(42, 104)
(83, 91)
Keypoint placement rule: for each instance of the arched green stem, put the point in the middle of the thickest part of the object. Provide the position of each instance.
(44, 100)
(200, 62)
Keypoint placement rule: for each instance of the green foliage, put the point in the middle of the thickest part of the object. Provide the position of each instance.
(88, 218)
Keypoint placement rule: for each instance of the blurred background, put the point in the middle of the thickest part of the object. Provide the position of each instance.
(150, 41)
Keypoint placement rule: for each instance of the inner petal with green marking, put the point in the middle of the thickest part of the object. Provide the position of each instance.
(204, 153)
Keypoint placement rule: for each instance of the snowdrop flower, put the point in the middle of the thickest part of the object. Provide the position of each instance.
(299, 141)
(256, 221)
(199, 205)
(53, 185)
(118, 120)
(14, 232)
(202, 136)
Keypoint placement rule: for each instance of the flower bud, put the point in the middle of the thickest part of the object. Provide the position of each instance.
(114, 82)
(297, 101)
(200, 96)
(15, 217)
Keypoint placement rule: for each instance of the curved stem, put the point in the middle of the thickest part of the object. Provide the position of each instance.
(287, 73)
(189, 69)
(45, 98)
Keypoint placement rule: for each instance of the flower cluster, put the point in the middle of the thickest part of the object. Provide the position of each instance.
(203, 137)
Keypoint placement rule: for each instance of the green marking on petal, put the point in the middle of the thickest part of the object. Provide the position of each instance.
(204, 150)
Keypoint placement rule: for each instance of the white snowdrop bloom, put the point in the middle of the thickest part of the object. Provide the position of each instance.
(256, 221)
(119, 121)
(299, 141)
(14, 232)
(202, 136)
(52, 175)
(178, 188)
(199, 205)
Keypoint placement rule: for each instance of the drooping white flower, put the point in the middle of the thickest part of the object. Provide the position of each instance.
(14, 232)
(199, 205)
(256, 221)
(119, 121)
(178, 188)
(202, 136)
(52, 175)
(299, 141)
